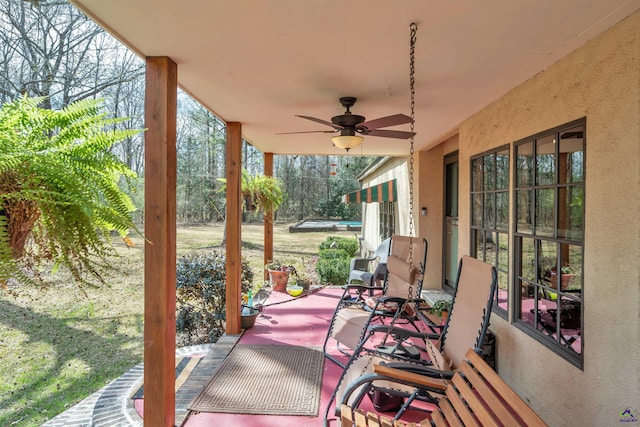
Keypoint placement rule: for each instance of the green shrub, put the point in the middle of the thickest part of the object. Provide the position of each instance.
(335, 254)
(201, 295)
(348, 244)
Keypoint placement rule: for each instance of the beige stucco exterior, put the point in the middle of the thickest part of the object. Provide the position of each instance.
(599, 81)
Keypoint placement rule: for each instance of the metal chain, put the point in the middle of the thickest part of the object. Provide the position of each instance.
(412, 83)
(413, 30)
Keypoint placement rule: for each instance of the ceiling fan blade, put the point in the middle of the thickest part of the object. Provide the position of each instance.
(383, 122)
(398, 134)
(307, 131)
(324, 122)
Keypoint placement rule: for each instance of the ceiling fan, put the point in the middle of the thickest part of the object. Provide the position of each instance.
(349, 124)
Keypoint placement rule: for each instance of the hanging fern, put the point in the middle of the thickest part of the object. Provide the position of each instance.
(59, 197)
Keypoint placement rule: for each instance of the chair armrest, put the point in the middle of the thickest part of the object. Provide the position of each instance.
(402, 333)
(418, 370)
(421, 376)
(360, 263)
(359, 288)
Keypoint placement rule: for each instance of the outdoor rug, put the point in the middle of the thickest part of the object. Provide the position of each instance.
(184, 367)
(265, 379)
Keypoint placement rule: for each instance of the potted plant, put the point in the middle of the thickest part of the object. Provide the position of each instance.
(441, 308)
(279, 273)
(302, 280)
(567, 273)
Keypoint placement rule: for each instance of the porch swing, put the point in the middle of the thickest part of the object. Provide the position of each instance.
(464, 328)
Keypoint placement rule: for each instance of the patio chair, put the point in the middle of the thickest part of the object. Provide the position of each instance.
(356, 311)
(361, 268)
(465, 327)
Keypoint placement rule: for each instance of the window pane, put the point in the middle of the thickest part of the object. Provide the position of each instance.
(571, 324)
(502, 210)
(491, 247)
(476, 208)
(571, 155)
(524, 165)
(571, 267)
(545, 160)
(544, 212)
(547, 311)
(476, 173)
(524, 200)
(570, 221)
(489, 172)
(502, 170)
(503, 290)
(528, 269)
(502, 245)
(527, 303)
(547, 263)
(479, 245)
(489, 210)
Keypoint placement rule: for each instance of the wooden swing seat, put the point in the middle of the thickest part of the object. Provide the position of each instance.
(476, 396)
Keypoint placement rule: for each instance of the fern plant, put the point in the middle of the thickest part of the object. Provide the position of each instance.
(263, 192)
(59, 193)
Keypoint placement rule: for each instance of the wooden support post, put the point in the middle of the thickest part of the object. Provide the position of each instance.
(268, 218)
(234, 225)
(160, 247)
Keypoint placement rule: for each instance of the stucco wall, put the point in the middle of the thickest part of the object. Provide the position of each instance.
(600, 81)
(430, 183)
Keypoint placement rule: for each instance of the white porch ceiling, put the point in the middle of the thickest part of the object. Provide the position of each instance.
(260, 62)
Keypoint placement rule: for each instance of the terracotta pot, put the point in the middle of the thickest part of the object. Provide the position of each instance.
(279, 280)
(565, 280)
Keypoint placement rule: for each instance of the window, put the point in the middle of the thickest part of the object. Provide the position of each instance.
(490, 218)
(387, 219)
(549, 236)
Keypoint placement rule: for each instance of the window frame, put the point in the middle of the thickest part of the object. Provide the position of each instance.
(542, 237)
(483, 228)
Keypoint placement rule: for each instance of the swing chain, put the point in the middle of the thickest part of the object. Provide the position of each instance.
(413, 30)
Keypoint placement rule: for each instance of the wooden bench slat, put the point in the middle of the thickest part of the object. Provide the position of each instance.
(449, 413)
(486, 392)
(386, 422)
(423, 380)
(477, 406)
(460, 407)
(346, 416)
(437, 419)
(360, 417)
(373, 420)
(519, 406)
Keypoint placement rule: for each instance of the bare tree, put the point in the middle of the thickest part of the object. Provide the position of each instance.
(50, 49)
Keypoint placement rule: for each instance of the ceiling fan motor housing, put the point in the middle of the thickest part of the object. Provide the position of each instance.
(348, 120)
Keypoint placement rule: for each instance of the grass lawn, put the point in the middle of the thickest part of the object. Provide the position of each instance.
(60, 344)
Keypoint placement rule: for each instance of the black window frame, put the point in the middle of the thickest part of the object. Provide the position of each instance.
(489, 189)
(533, 279)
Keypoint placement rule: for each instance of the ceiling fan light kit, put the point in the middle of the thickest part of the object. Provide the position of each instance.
(348, 124)
(347, 142)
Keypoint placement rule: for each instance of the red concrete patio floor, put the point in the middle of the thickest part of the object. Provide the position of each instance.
(302, 322)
